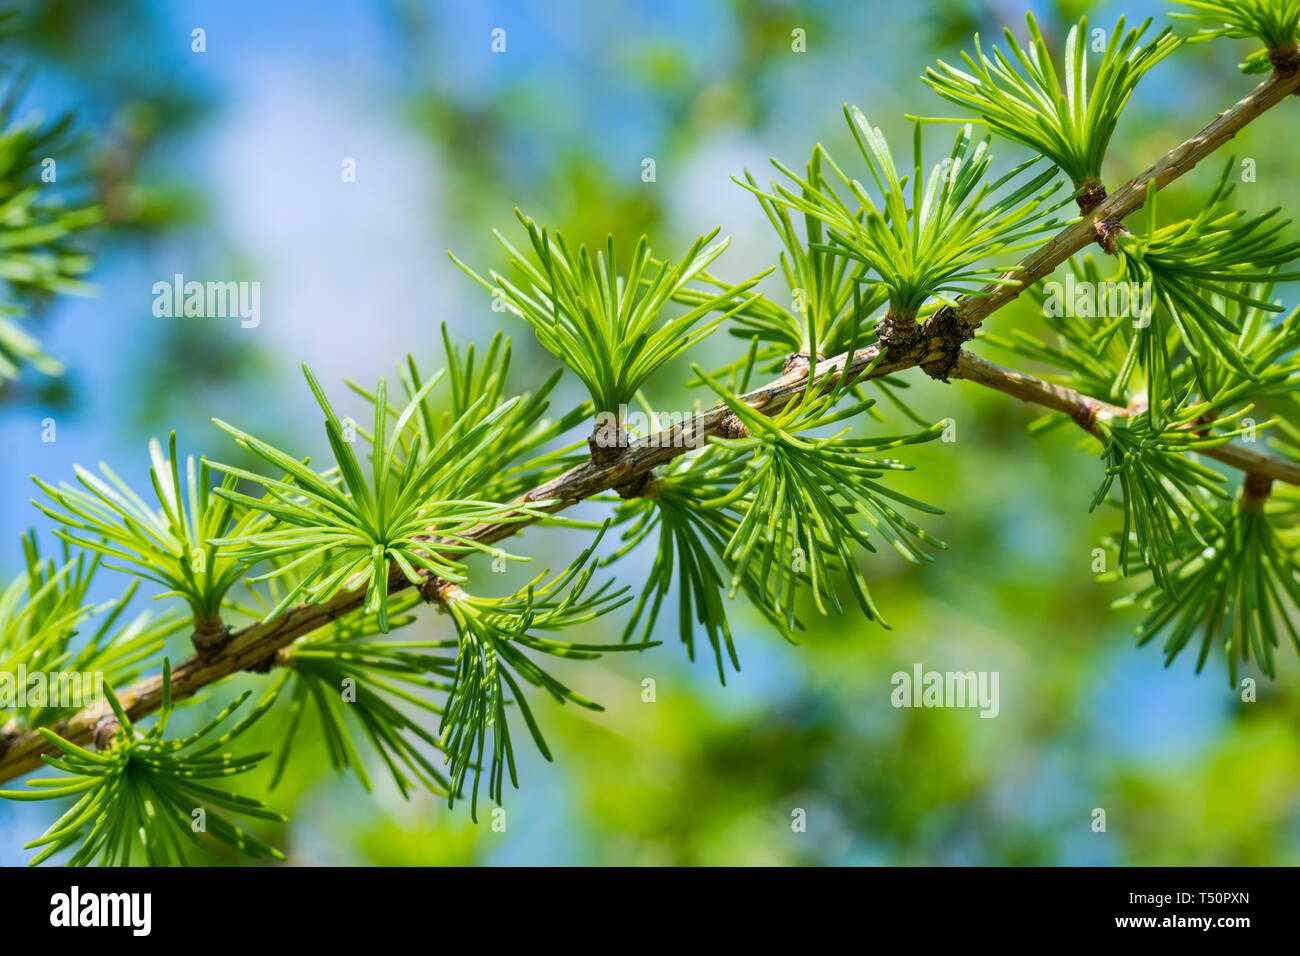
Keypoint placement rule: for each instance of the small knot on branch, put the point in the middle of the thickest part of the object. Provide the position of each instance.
(1085, 414)
(439, 591)
(210, 636)
(945, 333)
(1286, 61)
(898, 333)
(799, 362)
(1255, 491)
(1091, 197)
(105, 731)
(1106, 231)
(606, 444)
(730, 426)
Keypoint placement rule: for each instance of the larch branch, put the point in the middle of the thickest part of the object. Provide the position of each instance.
(251, 647)
(1085, 410)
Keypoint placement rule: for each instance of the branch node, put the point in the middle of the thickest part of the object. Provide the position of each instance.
(945, 333)
(105, 731)
(210, 636)
(1286, 61)
(1106, 231)
(1091, 197)
(898, 333)
(799, 362)
(602, 452)
(730, 426)
(1085, 413)
(439, 591)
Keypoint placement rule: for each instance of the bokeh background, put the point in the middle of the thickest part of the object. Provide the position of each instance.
(226, 165)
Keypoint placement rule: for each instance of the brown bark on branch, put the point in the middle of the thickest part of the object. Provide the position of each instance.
(1085, 410)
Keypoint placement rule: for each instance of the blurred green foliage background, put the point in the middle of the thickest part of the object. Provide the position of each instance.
(233, 172)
